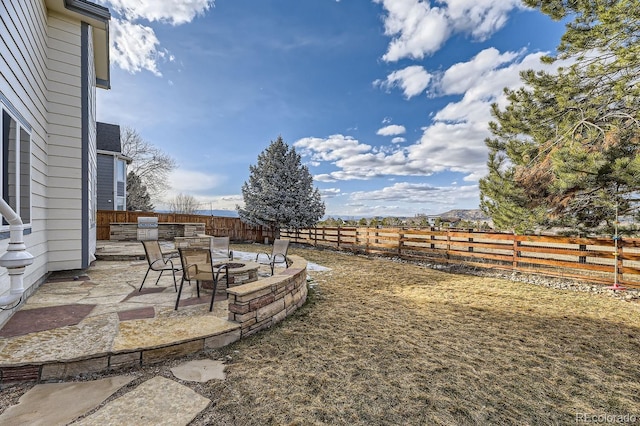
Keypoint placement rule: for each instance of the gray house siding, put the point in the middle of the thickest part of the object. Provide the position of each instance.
(109, 137)
(105, 182)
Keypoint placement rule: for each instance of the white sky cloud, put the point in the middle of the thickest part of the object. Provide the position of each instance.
(392, 130)
(453, 141)
(398, 140)
(335, 147)
(135, 47)
(417, 193)
(480, 18)
(192, 182)
(464, 76)
(418, 29)
(413, 80)
(174, 12)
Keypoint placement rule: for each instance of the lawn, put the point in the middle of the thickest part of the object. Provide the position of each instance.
(388, 343)
(382, 342)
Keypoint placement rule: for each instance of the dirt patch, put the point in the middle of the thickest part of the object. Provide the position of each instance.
(382, 342)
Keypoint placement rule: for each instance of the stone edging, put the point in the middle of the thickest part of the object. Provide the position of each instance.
(254, 306)
(260, 304)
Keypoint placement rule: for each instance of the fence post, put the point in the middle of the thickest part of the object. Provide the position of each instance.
(366, 244)
(338, 236)
(470, 248)
(516, 252)
(619, 261)
(432, 237)
(582, 259)
(400, 236)
(448, 245)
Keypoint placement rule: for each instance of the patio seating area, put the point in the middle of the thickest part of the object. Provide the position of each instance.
(91, 320)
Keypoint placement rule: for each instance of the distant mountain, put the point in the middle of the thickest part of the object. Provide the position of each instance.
(209, 212)
(214, 212)
(470, 215)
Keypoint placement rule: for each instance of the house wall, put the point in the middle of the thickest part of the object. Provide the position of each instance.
(43, 84)
(106, 195)
(23, 86)
(90, 151)
(65, 178)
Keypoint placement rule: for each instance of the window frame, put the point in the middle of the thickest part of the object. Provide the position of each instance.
(22, 152)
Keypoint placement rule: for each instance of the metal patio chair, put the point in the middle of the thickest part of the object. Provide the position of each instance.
(197, 266)
(278, 254)
(158, 262)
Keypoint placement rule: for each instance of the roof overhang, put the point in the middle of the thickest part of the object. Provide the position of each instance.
(118, 155)
(98, 18)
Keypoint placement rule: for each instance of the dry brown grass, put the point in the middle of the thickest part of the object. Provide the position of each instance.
(385, 343)
(390, 343)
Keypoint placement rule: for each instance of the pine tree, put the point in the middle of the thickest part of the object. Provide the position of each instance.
(137, 196)
(280, 191)
(566, 150)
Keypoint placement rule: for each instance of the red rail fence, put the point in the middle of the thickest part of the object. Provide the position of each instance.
(596, 260)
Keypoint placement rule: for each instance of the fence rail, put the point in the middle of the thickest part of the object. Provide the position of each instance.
(231, 227)
(598, 260)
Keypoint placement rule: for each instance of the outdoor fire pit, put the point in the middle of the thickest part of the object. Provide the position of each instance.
(239, 273)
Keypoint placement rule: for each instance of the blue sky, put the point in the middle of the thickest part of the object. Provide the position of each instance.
(387, 101)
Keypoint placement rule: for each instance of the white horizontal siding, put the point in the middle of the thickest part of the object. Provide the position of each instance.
(64, 181)
(23, 81)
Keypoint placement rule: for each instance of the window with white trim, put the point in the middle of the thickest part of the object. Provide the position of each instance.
(15, 166)
(121, 184)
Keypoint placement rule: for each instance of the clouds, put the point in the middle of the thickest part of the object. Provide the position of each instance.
(413, 80)
(174, 12)
(418, 29)
(418, 193)
(453, 141)
(391, 130)
(134, 46)
(183, 180)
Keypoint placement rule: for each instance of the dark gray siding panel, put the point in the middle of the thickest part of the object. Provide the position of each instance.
(105, 182)
(108, 137)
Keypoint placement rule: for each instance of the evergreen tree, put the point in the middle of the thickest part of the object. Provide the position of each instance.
(280, 191)
(566, 150)
(137, 196)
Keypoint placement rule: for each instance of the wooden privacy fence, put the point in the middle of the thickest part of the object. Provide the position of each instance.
(231, 227)
(591, 259)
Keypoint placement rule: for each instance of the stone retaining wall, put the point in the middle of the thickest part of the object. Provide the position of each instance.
(166, 231)
(192, 242)
(253, 306)
(260, 304)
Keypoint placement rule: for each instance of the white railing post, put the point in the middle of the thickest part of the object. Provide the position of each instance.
(16, 258)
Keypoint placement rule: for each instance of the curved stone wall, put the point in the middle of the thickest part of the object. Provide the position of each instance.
(260, 304)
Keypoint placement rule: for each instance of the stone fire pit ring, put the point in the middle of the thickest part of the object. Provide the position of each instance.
(240, 272)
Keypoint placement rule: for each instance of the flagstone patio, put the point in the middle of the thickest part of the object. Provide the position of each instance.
(95, 319)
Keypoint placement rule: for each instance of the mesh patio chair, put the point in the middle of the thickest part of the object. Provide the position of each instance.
(158, 262)
(197, 266)
(278, 254)
(220, 249)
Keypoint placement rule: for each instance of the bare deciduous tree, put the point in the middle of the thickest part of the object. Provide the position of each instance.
(149, 163)
(183, 203)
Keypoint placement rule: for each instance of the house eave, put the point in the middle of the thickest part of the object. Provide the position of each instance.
(98, 18)
(118, 155)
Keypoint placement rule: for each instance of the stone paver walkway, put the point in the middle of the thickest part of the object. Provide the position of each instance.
(158, 401)
(78, 315)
